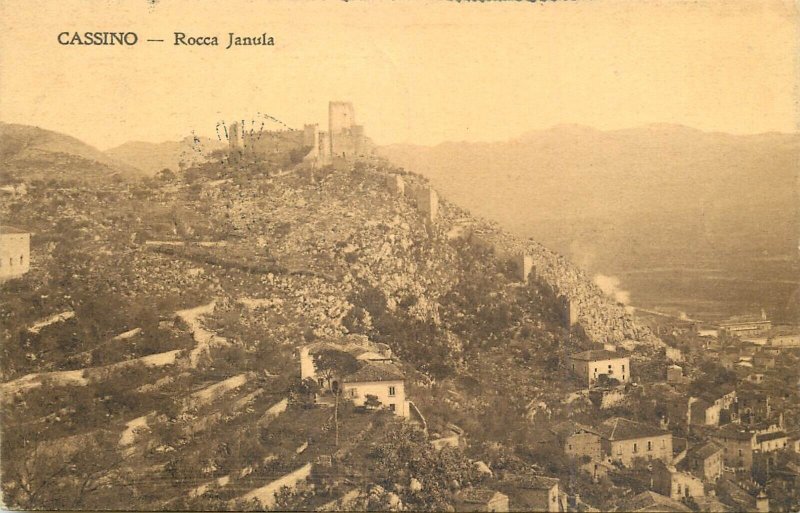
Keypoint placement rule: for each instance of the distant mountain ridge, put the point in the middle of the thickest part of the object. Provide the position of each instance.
(153, 157)
(29, 152)
(632, 199)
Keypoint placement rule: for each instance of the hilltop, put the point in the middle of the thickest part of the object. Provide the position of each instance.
(168, 315)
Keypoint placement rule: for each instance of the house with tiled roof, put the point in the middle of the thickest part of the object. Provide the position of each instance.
(705, 461)
(624, 440)
(740, 443)
(652, 502)
(480, 499)
(591, 366)
(675, 484)
(535, 493)
(578, 440)
(383, 380)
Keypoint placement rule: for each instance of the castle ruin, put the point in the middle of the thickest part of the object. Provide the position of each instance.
(344, 139)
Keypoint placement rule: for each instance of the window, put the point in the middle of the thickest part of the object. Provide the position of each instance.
(20, 260)
(391, 407)
(635, 447)
(11, 262)
(391, 392)
(663, 443)
(649, 445)
(623, 367)
(619, 450)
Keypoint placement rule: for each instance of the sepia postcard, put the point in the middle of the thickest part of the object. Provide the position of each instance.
(407, 255)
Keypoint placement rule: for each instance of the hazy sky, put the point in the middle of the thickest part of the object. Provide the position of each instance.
(416, 71)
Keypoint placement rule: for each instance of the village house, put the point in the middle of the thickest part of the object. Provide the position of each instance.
(383, 380)
(578, 440)
(703, 413)
(764, 360)
(773, 441)
(670, 482)
(480, 499)
(376, 376)
(590, 366)
(705, 460)
(675, 375)
(753, 406)
(15, 252)
(737, 445)
(624, 440)
(652, 502)
(785, 340)
(712, 408)
(740, 444)
(537, 493)
(746, 326)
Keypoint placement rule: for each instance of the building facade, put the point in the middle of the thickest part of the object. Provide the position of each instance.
(625, 440)
(590, 365)
(382, 380)
(15, 252)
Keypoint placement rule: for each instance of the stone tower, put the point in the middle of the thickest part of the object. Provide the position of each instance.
(569, 311)
(523, 264)
(342, 130)
(341, 117)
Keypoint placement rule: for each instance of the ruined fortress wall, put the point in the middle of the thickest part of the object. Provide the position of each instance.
(267, 143)
(428, 202)
(311, 136)
(15, 254)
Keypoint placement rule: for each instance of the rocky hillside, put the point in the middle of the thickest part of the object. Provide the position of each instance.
(167, 314)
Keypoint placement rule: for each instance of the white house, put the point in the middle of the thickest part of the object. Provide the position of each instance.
(384, 380)
(15, 252)
(590, 365)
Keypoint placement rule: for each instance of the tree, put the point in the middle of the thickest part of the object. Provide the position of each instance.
(302, 392)
(331, 363)
(372, 402)
(165, 175)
